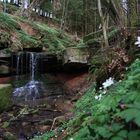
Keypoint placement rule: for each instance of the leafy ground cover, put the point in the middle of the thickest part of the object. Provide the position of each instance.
(113, 116)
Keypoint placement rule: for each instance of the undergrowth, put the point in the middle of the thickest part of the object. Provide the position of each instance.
(114, 117)
(27, 41)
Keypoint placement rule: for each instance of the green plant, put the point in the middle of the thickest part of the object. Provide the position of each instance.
(26, 40)
(114, 117)
(7, 22)
(5, 97)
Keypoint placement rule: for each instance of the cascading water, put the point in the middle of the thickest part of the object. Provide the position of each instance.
(32, 65)
(33, 89)
(19, 58)
(17, 67)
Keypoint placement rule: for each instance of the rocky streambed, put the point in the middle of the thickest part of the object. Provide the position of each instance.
(23, 120)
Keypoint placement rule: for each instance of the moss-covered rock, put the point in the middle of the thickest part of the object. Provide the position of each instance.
(5, 97)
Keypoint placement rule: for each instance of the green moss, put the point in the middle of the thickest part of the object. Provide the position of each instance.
(7, 22)
(26, 40)
(4, 37)
(5, 97)
(50, 39)
(44, 28)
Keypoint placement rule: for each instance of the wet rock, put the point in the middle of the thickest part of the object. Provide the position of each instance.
(9, 136)
(5, 97)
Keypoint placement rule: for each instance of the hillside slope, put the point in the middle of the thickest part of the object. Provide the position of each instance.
(17, 33)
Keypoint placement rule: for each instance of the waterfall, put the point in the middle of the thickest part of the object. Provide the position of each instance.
(17, 66)
(33, 89)
(33, 65)
(26, 63)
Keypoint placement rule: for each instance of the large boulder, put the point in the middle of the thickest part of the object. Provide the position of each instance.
(5, 96)
(76, 59)
(76, 55)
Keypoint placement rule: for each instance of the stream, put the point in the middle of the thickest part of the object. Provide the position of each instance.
(41, 102)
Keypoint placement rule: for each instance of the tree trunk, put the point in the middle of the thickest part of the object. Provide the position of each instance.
(63, 14)
(103, 22)
(128, 14)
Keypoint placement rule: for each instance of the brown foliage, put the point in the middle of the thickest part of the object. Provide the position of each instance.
(120, 59)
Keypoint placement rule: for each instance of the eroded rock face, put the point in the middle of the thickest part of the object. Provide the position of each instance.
(76, 55)
(73, 83)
